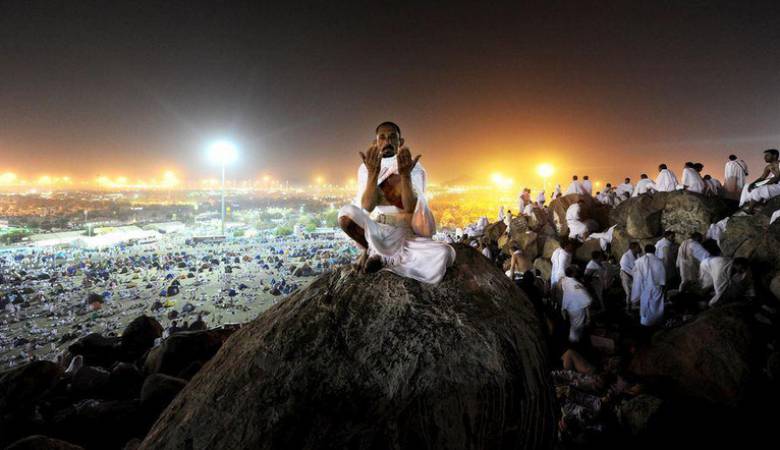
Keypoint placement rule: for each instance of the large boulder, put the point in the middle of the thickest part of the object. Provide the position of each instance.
(159, 390)
(591, 210)
(21, 387)
(39, 442)
(525, 240)
(181, 349)
(754, 238)
(647, 216)
(544, 266)
(711, 358)
(494, 231)
(621, 239)
(98, 350)
(376, 361)
(140, 334)
(101, 424)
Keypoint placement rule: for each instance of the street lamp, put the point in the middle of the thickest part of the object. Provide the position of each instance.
(545, 171)
(223, 153)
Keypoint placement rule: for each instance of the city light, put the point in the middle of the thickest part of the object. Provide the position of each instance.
(501, 181)
(222, 152)
(545, 170)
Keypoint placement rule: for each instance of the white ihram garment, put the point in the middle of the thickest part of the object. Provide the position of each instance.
(647, 289)
(689, 257)
(760, 193)
(561, 259)
(734, 179)
(664, 250)
(576, 301)
(587, 186)
(575, 188)
(693, 181)
(666, 181)
(605, 237)
(715, 273)
(401, 239)
(643, 186)
(577, 228)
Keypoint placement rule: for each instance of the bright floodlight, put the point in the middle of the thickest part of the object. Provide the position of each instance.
(545, 170)
(223, 152)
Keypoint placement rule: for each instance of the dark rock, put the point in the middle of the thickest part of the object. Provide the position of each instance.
(182, 349)
(158, 391)
(98, 350)
(23, 386)
(139, 335)
(754, 238)
(125, 382)
(303, 271)
(525, 240)
(39, 442)
(376, 361)
(101, 424)
(89, 382)
(711, 358)
(638, 414)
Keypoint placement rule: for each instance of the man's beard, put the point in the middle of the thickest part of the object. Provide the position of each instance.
(388, 151)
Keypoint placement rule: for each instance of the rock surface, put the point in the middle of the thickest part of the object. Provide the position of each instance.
(711, 358)
(376, 361)
(591, 209)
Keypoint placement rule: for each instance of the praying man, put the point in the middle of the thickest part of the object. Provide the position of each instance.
(647, 288)
(390, 219)
(766, 186)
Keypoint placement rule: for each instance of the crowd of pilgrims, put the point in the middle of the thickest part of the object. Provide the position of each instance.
(648, 276)
(49, 298)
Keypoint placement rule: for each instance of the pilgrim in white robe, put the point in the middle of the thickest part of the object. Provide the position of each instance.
(605, 237)
(665, 250)
(598, 274)
(734, 179)
(627, 274)
(577, 227)
(561, 259)
(716, 230)
(666, 181)
(556, 192)
(587, 185)
(402, 240)
(540, 198)
(643, 186)
(575, 188)
(713, 187)
(715, 273)
(501, 214)
(761, 193)
(648, 289)
(689, 257)
(692, 181)
(575, 302)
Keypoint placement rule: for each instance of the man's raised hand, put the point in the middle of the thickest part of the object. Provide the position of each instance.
(405, 161)
(372, 159)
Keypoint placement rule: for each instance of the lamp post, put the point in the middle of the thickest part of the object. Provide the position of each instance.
(545, 171)
(223, 153)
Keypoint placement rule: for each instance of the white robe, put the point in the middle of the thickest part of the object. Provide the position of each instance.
(575, 188)
(693, 180)
(666, 181)
(714, 273)
(643, 186)
(501, 214)
(759, 194)
(557, 192)
(576, 301)
(587, 185)
(713, 186)
(716, 230)
(405, 245)
(561, 259)
(734, 179)
(647, 289)
(577, 227)
(689, 257)
(664, 250)
(623, 189)
(605, 237)
(540, 198)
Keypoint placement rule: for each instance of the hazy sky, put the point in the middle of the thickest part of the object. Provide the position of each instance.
(604, 88)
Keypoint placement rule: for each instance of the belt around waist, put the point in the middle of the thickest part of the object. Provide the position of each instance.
(392, 219)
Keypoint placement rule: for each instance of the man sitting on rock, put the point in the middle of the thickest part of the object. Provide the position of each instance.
(690, 255)
(390, 219)
(727, 278)
(766, 186)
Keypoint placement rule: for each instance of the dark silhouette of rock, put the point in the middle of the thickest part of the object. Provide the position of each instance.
(158, 391)
(90, 382)
(303, 271)
(139, 335)
(125, 382)
(376, 361)
(101, 424)
(640, 414)
(182, 349)
(21, 387)
(98, 350)
(39, 442)
(711, 358)
(754, 238)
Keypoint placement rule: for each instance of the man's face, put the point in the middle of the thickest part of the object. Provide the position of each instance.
(389, 141)
(769, 157)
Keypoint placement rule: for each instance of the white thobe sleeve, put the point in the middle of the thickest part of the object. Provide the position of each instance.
(423, 222)
(362, 180)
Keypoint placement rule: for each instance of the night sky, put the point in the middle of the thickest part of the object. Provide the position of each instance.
(601, 88)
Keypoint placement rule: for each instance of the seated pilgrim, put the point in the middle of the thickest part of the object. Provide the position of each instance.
(390, 219)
